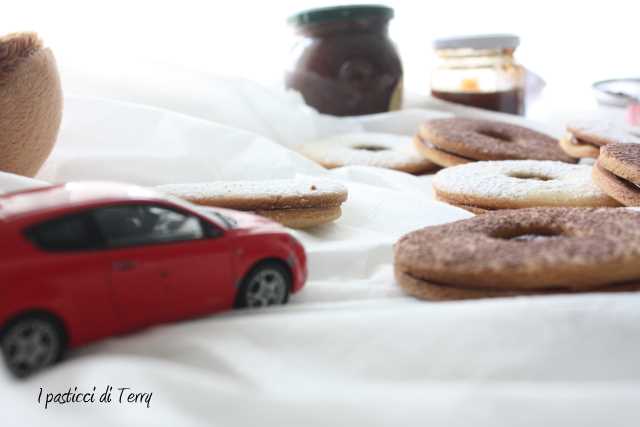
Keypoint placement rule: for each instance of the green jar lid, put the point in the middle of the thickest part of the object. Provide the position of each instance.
(338, 13)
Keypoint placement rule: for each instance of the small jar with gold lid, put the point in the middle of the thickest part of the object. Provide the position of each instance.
(480, 71)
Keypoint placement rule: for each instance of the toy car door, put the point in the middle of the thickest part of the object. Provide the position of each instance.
(162, 267)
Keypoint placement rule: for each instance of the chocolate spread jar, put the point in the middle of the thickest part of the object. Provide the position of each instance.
(344, 62)
(480, 71)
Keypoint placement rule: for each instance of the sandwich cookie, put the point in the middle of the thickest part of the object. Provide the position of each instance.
(455, 141)
(295, 203)
(522, 252)
(584, 139)
(617, 172)
(514, 184)
(368, 149)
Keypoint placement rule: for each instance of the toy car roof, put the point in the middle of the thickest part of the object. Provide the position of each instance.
(64, 196)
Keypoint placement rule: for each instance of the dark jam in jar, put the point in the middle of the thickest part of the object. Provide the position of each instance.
(344, 63)
(506, 101)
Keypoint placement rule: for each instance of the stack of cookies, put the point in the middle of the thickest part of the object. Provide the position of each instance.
(456, 141)
(491, 165)
(522, 252)
(295, 203)
(547, 225)
(617, 172)
(514, 184)
(584, 139)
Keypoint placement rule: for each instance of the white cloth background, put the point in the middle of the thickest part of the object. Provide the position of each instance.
(350, 349)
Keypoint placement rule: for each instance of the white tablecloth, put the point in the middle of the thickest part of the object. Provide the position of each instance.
(350, 349)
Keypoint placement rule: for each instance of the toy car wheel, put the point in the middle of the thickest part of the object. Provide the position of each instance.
(31, 343)
(266, 284)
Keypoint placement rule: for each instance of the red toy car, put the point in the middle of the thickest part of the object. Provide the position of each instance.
(84, 261)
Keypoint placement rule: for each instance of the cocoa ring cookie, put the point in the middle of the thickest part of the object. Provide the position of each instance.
(295, 203)
(514, 184)
(454, 141)
(520, 252)
(368, 149)
(585, 138)
(617, 172)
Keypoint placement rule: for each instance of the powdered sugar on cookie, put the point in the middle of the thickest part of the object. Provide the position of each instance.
(520, 183)
(268, 194)
(367, 149)
(602, 131)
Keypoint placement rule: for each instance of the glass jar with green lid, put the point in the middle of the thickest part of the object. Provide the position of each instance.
(344, 62)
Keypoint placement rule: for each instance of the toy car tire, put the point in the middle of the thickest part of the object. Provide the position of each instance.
(268, 283)
(32, 342)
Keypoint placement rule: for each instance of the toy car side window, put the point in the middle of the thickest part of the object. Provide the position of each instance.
(70, 233)
(133, 225)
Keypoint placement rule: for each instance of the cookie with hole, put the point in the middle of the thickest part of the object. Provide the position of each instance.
(368, 149)
(580, 150)
(517, 184)
(617, 172)
(584, 138)
(295, 203)
(522, 252)
(453, 141)
(439, 157)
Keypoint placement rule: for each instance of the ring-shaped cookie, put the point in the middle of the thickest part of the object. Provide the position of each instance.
(514, 184)
(368, 149)
(622, 190)
(577, 149)
(599, 132)
(622, 160)
(295, 203)
(490, 140)
(539, 250)
(437, 156)
(617, 172)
